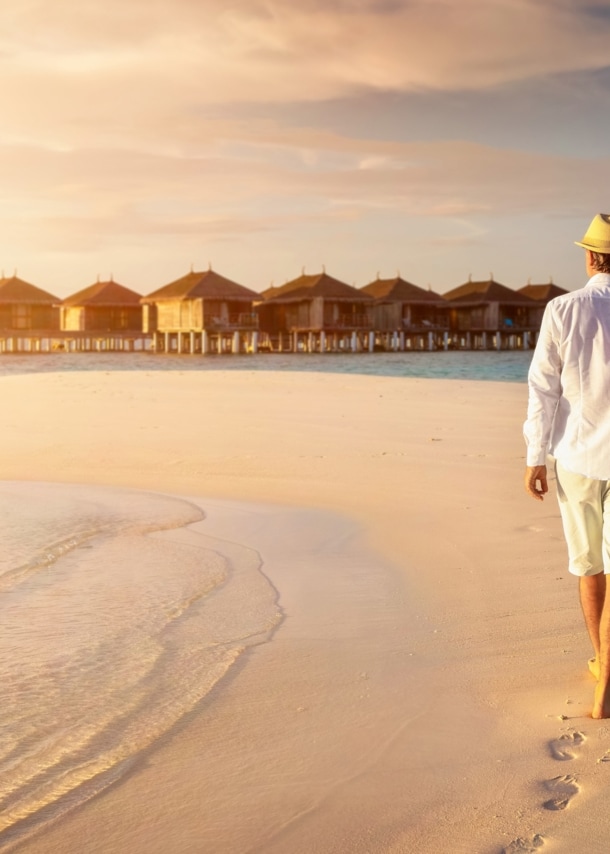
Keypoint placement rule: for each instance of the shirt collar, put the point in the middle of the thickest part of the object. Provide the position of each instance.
(599, 280)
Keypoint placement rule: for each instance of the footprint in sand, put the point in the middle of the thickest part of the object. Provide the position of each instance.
(524, 846)
(565, 747)
(563, 788)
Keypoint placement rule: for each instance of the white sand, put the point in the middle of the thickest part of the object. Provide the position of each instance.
(434, 706)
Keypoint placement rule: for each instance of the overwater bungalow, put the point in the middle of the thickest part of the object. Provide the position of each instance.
(541, 294)
(24, 308)
(316, 313)
(406, 316)
(103, 316)
(102, 307)
(487, 313)
(202, 313)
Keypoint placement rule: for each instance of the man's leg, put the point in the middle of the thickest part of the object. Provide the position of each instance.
(585, 511)
(601, 701)
(592, 590)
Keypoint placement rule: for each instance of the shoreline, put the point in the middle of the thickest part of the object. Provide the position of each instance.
(457, 753)
(489, 366)
(343, 577)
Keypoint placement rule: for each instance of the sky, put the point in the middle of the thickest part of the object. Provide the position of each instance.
(434, 139)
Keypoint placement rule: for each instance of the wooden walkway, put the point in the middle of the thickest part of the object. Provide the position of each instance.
(219, 343)
(395, 342)
(74, 342)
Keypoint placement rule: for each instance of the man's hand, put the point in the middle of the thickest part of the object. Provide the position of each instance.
(535, 482)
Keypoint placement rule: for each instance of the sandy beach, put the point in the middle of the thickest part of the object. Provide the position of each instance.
(427, 688)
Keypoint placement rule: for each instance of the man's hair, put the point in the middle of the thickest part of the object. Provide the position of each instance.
(601, 262)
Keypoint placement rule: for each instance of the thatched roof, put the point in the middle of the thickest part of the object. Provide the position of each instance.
(208, 285)
(482, 293)
(542, 293)
(104, 294)
(14, 290)
(319, 285)
(399, 290)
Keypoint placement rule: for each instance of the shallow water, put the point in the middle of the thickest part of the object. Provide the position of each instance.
(502, 366)
(118, 617)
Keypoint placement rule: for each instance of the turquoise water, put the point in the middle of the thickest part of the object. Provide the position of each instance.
(503, 366)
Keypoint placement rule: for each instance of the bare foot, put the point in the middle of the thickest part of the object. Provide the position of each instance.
(594, 667)
(601, 701)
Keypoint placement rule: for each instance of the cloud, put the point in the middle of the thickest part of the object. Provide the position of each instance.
(146, 75)
(266, 178)
(128, 125)
(274, 50)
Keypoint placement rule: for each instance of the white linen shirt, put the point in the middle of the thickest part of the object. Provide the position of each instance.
(568, 413)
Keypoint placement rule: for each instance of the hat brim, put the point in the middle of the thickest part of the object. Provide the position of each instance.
(603, 250)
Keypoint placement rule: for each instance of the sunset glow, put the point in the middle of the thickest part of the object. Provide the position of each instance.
(440, 139)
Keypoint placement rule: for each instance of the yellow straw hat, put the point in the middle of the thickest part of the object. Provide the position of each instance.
(597, 238)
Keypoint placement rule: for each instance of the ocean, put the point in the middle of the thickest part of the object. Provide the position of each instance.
(119, 613)
(502, 366)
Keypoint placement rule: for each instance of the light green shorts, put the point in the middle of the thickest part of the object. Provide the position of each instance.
(584, 504)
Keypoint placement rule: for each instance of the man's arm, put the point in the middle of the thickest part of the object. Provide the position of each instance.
(544, 380)
(535, 482)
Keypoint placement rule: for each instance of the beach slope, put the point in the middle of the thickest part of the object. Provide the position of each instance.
(426, 689)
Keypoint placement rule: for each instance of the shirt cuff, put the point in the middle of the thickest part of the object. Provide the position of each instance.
(536, 457)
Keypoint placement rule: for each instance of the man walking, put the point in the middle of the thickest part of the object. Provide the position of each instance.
(568, 417)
